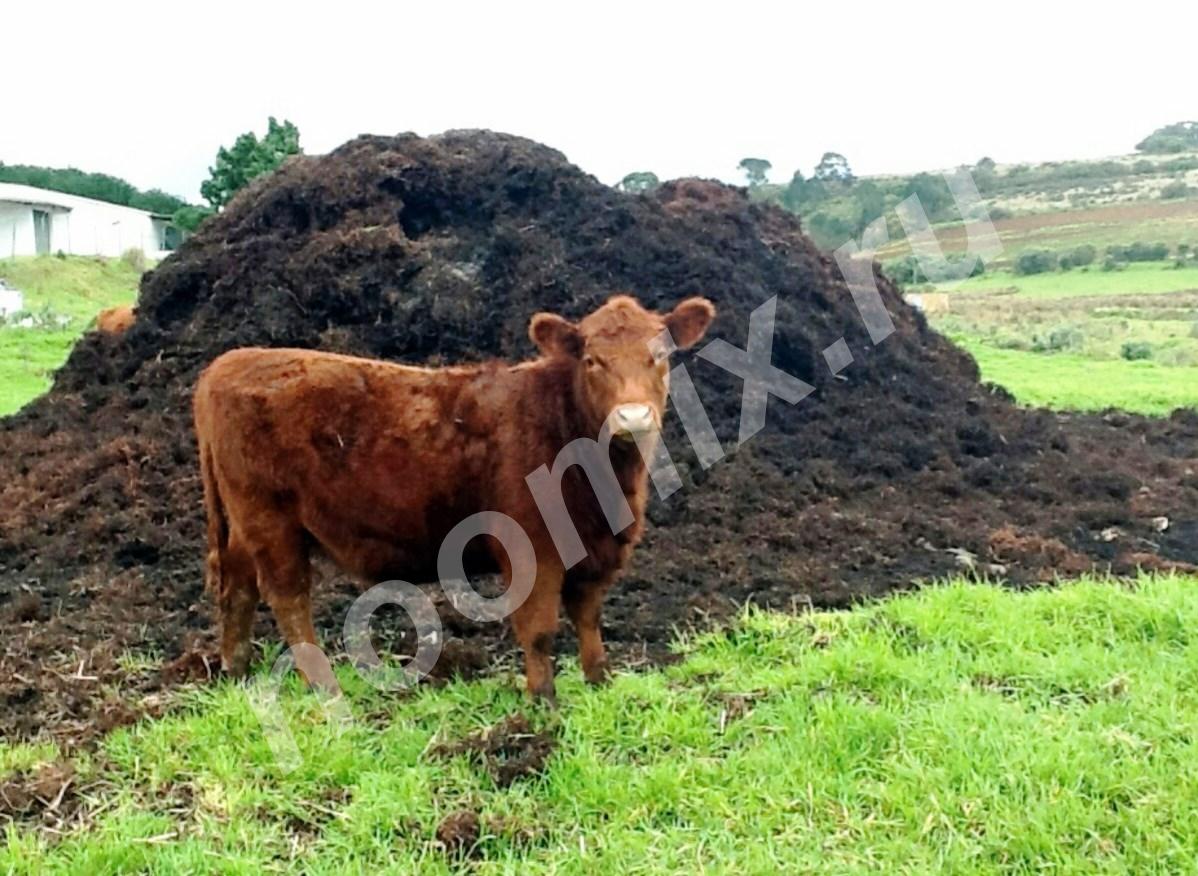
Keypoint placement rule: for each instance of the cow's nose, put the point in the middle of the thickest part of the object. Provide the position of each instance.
(634, 419)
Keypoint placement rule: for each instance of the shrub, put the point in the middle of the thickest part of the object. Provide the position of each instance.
(1139, 252)
(1110, 263)
(1035, 261)
(1175, 189)
(910, 271)
(1134, 351)
(1059, 339)
(1083, 255)
(135, 258)
(1194, 330)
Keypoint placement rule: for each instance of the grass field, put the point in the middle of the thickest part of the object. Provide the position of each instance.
(1065, 381)
(963, 728)
(74, 288)
(1141, 278)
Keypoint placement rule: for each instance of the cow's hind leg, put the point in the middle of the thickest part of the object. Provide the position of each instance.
(285, 581)
(584, 603)
(237, 600)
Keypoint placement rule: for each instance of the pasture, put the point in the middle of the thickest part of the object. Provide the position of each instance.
(63, 296)
(960, 728)
(1072, 382)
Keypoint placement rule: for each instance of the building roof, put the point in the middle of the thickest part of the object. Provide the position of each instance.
(15, 193)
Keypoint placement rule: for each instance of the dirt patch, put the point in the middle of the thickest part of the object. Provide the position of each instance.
(510, 750)
(436, 250)
(1049, 555)
(458, 832)
(45, 795)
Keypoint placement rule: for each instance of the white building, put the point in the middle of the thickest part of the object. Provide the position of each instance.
(11, 300)
(37, 221)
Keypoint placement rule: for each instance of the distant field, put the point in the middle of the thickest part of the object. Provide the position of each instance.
(1138, 278)
(75, 289)
(1066, 381)
(960, 729)
(1170, 222)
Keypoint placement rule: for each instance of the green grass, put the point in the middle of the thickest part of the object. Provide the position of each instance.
(963, 728)
(1066, 381)
(76, 288)
(1136, 278)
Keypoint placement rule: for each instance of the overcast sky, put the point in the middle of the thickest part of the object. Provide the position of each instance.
(150, 91)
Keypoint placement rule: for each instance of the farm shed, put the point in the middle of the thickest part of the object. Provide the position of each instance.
(37, 221)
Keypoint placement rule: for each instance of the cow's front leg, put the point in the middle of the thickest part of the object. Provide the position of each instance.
(584, 605)
(535, 625)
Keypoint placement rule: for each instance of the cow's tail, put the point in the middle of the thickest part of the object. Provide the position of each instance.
(218, 523)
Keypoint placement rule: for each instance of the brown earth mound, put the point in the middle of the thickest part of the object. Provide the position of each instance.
(439, 250)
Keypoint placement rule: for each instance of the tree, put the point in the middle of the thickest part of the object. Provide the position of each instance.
(796, 193)
(639, 181)
(755, 170)
(834, 167)
(870, 200)
(1178, 137)
(935, 197)
(248, 158)
(189, 218)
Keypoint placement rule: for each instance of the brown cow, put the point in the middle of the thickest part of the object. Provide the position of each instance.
(116, 320)
(376, 462)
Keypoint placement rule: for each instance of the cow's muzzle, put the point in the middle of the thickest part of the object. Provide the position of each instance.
(630, 422)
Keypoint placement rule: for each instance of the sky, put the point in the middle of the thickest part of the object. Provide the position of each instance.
(149, 92)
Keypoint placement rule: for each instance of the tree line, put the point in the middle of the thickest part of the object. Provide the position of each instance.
(98, 186)
(837, 206)
(248, 158)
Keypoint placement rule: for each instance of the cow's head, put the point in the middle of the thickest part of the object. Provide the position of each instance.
(621, 372)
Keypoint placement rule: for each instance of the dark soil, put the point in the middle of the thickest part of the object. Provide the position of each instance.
(439, 250)
(458, 832)
(44, 795)
(510, 750)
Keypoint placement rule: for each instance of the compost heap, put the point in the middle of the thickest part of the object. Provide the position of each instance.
(439, 250)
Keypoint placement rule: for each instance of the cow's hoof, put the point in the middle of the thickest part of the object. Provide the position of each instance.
(597, 674)
(544, 695)
(237, 666)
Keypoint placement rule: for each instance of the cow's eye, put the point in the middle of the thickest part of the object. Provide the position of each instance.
(591, 361)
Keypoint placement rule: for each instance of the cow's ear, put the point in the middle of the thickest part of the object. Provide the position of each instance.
(688, 321)
(555, 336)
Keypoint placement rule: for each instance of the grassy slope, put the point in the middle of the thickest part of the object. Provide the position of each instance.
(75, 287)
(963, 728)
